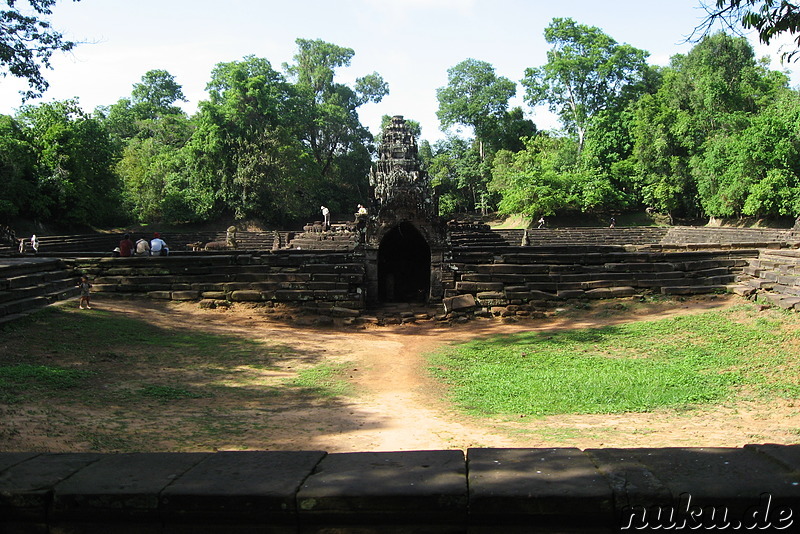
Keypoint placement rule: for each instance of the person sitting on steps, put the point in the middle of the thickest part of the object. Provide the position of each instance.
(157, 246)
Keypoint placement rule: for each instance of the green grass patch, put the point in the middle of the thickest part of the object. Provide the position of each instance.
(166, 393)
(637, 367)
(324, 380)
(21, 380)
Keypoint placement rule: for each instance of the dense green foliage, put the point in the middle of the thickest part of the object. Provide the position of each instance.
(265, 145)
(633, 367)
(714, 134)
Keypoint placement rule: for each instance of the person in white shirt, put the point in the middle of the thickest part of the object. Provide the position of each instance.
(326, 217)
(157, 246)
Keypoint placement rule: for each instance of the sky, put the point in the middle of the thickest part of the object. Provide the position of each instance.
(410, 43)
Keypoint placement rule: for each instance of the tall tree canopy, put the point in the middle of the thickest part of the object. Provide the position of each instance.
(474, 96)
(339, 143)
(74, 168)
(586, 72)
(27, 41)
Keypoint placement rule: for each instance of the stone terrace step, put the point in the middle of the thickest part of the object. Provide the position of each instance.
(775, 277)
(27, 285)
(176, 241)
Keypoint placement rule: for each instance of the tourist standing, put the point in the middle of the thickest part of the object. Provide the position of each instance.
(35, 243)
(541, 222)
(85, 286)
(326, 217)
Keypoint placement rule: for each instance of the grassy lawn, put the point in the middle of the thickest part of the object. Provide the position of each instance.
(674, 363)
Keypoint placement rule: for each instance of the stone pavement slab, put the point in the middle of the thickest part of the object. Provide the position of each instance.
(26, 486)
(120, 486)
(369, 486)
(237, 485)
(537, 487)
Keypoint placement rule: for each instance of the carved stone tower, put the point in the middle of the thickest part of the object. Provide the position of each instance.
(405, 238)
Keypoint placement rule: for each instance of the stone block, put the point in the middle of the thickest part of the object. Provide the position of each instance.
(246, 295)
(253, 487)
(27, 479)
(570, 294)
(185, 295)
(458, 302)
(105, 288)
(599, 293)
(119, 487)
(217, 295)
(733, 478)
(541, 295)
(337, 311)
(293, 295)
(375, 488)
(161, 295)
(538, 488)
(622, 291)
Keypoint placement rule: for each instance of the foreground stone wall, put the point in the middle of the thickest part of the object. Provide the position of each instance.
(564, 490)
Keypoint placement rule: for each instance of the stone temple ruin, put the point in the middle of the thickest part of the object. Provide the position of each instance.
(402, 253)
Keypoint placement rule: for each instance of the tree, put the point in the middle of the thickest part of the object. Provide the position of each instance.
(687, 133)
(27, 41)
(539, 180)
(17, 169)
(246, 156)
(74, 167)
(156, 94)
(770, 18)
(586, 72)
(459, 174)
(474, 96)
(329, 123)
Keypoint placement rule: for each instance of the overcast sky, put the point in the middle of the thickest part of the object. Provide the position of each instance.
(411, 43)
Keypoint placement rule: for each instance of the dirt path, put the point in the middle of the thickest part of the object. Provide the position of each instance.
(396, 405)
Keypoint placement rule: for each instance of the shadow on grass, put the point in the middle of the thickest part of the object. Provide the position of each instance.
(105, 381)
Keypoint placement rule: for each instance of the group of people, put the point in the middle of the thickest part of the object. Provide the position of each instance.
(326, 215)
(154, 247)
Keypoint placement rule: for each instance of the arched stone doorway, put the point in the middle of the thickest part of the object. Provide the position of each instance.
(404, 265)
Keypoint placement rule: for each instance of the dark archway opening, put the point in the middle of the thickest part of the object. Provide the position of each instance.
(404, 265)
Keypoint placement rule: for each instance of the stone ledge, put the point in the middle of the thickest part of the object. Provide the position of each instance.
(489, 490)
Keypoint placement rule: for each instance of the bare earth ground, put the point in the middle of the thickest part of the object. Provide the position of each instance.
(395, 404)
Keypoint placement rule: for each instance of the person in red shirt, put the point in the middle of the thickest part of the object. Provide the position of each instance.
(126, 246)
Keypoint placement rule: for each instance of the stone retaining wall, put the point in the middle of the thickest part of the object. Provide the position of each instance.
(527, 278)
(331, 281)
(563, 490)
(334, 282)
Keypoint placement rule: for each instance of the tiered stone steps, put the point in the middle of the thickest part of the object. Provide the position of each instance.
(677, 237)
(513, 275)
(29, 284)
(743, 237)
(775, 277)
(104, 244)
(313, 280)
